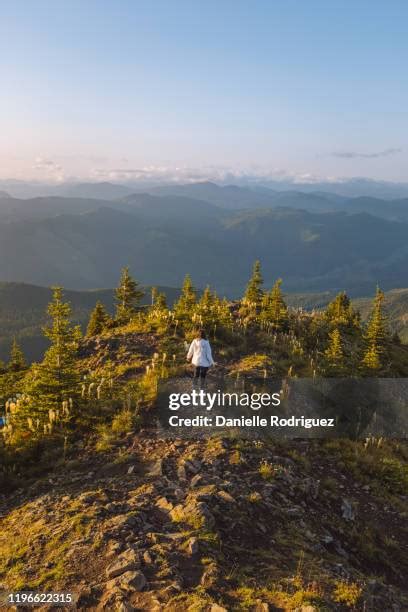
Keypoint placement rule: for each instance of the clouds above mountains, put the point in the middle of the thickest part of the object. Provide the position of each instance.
(49, 168)
(373, 155)
(186, 174)
(57, 169)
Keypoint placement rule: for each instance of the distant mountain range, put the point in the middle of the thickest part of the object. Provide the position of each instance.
(318, 241)
(314, 241)
(348, 188)
(101, 190)
(23, 311)
(239, 198)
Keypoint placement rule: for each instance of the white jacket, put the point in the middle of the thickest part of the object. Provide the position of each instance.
(200, 352)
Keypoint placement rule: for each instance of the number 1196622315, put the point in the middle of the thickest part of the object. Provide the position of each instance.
(30, 598)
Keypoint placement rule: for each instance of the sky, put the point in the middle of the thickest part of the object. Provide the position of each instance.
(122, 90)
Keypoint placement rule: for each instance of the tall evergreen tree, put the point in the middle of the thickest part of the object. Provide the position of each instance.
(56, 379)
(128, 295)
(376, 335)
(184, 307)
(223, 312)
(97, 320)
(251, 303)
(17, 361)
(207, 300)
(334, 353)
(207, 308)
(254, 291)
(372, 359)
(274, 308)
(341, 312)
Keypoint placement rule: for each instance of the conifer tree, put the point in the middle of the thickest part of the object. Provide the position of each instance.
(206, 308)
(254, 291)
(186, 303)
(334, 353)
(376, 335)
(251, 303)
(372, 361)
(377, 328)
(223, 312)
(341, 312)
(274, 309)
(207, 300)
(55, 380)
(128, 295)
(161, 301)
(97, 320)
(17, 361)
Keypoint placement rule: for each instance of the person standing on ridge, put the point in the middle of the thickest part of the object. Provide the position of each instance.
(200, 355)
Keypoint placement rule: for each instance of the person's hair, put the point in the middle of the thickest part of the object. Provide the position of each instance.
(201, 334)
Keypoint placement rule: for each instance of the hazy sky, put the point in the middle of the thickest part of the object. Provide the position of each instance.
(115, 89)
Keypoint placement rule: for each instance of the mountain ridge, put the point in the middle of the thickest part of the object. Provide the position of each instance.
(23, 310)
(155, 234)
(352, 187)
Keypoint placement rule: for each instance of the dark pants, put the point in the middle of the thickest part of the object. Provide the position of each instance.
(200, 372)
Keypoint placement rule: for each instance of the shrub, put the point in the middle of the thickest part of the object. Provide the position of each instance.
(347, 593)
(108, 433)
(266, 470)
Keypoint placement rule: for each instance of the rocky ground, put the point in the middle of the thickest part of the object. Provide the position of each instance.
(145, 523)
(126, 350)
(213, 525)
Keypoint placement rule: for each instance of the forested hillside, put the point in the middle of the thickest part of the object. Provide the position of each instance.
(395, 307)
(23, 313)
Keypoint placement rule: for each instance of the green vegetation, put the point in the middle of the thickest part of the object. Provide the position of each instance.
(334, 353)
(23, 314)
(17, 360)
(266, 470)
(108, 433)
(347, 593)
(52, 387)
(254, 292)
(128, 295)
(341, 312)
(98, 320)
(187, 301)
(376, 336)
(259, 334)
(274, 308)
(89, 396)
